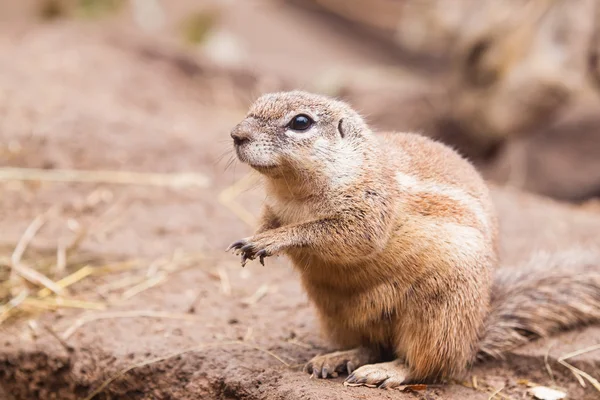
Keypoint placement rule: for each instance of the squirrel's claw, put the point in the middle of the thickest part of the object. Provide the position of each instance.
(237, 245)
(245, 259)
(261, 256)
(250, 250)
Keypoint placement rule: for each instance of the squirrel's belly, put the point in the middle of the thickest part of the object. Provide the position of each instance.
(359, 317)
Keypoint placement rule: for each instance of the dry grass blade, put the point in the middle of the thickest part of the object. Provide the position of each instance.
(248, 336)
(33, 328)
(300, 344)
(145, 285)
(118, 267)
(67, 346)
(100, 176)
(61, 302)
(108, 220)
(579, 374)
(61, 259)
(575, 373)
(269, 352)
(227, 198)
(495, 393)
(124, 314)
(119, 374)
(7, 308)
(122, 283)
(36, 277)
(224, 279)
(79, 237)
(259, 294)
(485, 388)
(17, 267)
(580, 352)
(26, 238)
(68, 280)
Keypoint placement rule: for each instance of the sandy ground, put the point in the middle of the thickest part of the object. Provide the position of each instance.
(76, 96)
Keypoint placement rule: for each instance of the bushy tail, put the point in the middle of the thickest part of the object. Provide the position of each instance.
(551, 292)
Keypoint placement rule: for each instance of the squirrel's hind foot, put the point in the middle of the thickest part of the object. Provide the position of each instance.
(331, 364)
(387, 375)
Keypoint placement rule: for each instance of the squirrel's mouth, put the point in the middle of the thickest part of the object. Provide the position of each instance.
(263, 169)
(262, 166)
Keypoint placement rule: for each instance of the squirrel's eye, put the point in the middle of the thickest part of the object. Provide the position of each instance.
(300, 122)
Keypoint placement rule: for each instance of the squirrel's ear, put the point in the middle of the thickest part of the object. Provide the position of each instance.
(349, 127)
(342, 129)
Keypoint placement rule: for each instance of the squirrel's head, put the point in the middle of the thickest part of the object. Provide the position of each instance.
(301, 133)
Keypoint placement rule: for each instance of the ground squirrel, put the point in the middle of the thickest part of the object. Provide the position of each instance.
(394, 237)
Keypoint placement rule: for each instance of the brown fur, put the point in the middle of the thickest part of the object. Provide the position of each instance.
(395, 237)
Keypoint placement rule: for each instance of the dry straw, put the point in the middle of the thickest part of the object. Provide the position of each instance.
(99, 176)
(228, 197)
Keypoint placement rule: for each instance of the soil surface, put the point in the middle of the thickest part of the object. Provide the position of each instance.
(185, 320)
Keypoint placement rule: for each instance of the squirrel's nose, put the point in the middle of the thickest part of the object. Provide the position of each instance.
(240, 135)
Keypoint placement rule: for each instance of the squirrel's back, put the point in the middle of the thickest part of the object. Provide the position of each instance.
(550, 292)
(442, 181)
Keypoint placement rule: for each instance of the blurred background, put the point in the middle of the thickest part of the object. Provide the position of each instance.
(514, 85)
(119, 189)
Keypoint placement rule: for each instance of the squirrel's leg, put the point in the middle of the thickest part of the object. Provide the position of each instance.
(439, 341)
(321, 236)
(268, 220)
(331, 364)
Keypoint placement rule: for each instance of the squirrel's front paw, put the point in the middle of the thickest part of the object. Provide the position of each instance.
(260, 246)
